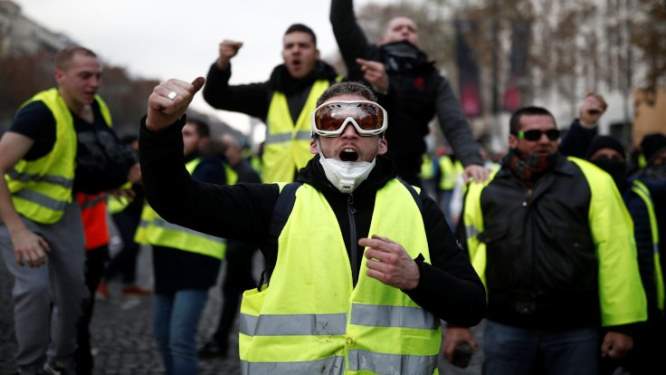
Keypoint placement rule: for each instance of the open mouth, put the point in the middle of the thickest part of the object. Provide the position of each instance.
(348, 154)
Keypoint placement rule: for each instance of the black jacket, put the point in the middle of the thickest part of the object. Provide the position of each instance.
(254, 99)
(449, 288)
(542, 267)
(577, 140)
(417, 92)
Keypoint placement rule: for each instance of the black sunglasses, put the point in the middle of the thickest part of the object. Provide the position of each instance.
(535, 134)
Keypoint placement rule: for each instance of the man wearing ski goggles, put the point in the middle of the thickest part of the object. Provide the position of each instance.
(347, 227)
(368, 118)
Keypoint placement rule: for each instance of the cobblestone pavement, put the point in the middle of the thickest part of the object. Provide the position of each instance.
(123, 341)
(122, 331)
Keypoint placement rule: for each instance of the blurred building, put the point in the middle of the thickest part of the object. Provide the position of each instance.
(19, 35)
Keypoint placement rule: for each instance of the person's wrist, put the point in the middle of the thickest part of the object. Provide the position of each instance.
(16, 229)
(586, 123)
(222, 63)
(414, 281)
(150, 125)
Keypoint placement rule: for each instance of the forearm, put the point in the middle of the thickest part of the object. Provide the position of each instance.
(454, 125)
(449, 287)
(577, 140)
(10, 218)
(251, 99)
(233, 212)
(351, 39)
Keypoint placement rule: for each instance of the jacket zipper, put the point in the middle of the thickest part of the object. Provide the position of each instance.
(353, 246)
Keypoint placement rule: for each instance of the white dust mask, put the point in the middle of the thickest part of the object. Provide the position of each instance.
(345, 175)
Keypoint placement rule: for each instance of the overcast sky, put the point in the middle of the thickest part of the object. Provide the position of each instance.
(164, 39)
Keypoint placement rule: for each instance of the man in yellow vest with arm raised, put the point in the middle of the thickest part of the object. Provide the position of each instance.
(360, 266)
(285, 102)
(60, 142)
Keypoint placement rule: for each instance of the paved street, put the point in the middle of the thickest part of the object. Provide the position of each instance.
(122, 331)
(122, 337)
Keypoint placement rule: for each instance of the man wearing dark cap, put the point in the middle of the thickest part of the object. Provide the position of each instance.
(608, 154)
(653, 147)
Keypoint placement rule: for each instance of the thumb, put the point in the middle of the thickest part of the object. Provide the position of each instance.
(197, 84)
(362, 62)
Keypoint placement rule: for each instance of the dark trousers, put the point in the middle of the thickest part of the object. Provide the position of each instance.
(512, 350)
(96, 260)
(237, 279)
(124, 263)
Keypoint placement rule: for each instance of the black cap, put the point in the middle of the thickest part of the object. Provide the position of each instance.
(604, 141)
(652, 144)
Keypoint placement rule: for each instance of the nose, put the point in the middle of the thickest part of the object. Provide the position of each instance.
(95, 81)
(349, 131)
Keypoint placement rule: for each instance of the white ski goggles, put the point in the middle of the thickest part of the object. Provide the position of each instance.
(330, 119)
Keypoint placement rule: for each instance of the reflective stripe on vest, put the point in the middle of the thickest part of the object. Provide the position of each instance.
(154, 230)
(644, 193)
(42, 188)
(287, 146)
(335, 324)
(310, 316)
(621, 299)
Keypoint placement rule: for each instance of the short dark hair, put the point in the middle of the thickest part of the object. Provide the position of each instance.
(347, 88)
(203, 130)
(65, 55)
(299, 27)
(514, 123)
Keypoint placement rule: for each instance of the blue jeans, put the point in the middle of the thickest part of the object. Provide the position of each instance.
(517, 351)
(176, 317)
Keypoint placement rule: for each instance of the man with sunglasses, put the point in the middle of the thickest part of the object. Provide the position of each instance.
(410, 87)
(360, 266)
(553, 241)
(284, 102)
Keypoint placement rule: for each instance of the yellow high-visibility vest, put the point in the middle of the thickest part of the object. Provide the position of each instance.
(644, 193)
(287, 146)
(312, 319)
(153, 230)
(42, 188)
(449, 172)
(622, 299)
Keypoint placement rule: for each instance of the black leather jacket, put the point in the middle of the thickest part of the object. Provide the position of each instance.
(542, 268)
